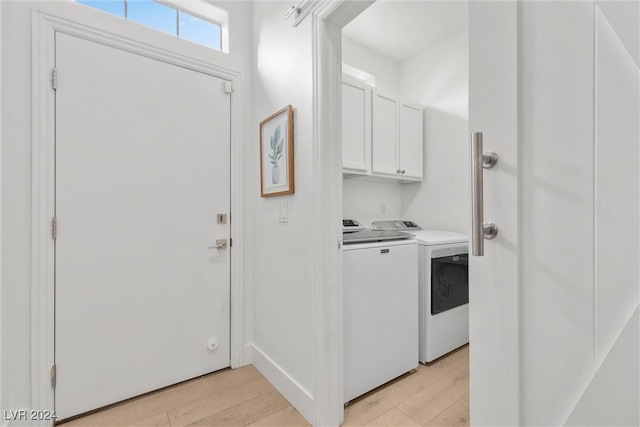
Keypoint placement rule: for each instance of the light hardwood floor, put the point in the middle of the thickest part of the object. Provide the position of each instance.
(433, 395)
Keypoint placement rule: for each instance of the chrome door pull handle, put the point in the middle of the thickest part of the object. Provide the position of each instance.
(480, 230)
(489, 159)
(220, 244)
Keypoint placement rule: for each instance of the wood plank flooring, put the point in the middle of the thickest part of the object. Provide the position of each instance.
(433, 395)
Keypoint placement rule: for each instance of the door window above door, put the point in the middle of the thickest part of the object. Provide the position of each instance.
(205, 29)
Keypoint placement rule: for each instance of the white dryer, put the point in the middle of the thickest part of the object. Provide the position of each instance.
(443, 274)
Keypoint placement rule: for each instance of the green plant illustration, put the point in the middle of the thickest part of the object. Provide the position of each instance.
(277, 146)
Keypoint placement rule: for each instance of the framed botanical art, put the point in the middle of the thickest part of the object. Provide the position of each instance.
(276, 154)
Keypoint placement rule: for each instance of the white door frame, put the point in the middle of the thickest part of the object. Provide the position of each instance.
(72, 19)
(328, 18)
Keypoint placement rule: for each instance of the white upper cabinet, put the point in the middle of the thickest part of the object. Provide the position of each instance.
(411, 140)
(397, 138)
(382, 135)
(356, 127)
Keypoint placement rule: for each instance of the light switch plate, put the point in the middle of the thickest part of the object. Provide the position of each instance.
(284, 213)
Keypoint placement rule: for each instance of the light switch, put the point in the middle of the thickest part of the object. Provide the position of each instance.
(284, 213)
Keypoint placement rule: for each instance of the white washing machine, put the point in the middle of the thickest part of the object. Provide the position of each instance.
(443, 274)
(380, 307)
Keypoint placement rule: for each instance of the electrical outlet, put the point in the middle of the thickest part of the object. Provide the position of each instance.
(383, 208)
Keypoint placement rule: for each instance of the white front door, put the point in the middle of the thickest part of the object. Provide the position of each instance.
(554, 87)
(142, 296)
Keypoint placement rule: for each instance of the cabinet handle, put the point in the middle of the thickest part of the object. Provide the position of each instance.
(404, 171)
(398, 170)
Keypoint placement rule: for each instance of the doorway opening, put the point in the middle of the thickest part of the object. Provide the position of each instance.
(399, 58)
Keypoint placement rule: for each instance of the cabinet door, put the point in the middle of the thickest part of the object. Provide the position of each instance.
(411, 141)
(384, 136)
(356, 127)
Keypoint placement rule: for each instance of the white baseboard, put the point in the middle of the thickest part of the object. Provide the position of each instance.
(297, 395)
(247, 355)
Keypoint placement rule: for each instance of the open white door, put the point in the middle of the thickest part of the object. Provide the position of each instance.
(493, 279)
(142, 170)
(554, 87)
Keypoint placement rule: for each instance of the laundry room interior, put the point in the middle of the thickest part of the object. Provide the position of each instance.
(420, 56)
(270, 213)
(405, 171)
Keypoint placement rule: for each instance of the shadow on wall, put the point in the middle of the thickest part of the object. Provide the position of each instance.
(441, 200)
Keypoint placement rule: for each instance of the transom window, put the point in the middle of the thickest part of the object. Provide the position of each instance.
(162, 16)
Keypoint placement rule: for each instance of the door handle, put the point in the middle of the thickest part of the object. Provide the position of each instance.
(220, 244)
(480, 230)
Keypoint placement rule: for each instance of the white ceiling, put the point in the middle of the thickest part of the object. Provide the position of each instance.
(399, 29)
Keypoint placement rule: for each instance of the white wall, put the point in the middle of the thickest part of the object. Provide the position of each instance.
(16, 205)
(385, 70)
(441, 200)
(362, 200)
(283, 294)
(438, 78)
(15, 210)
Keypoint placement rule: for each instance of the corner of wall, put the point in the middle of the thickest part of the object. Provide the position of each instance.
(282, 287)
(293, 391)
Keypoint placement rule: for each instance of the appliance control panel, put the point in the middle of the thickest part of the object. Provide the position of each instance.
(395, 225)
(349, 225)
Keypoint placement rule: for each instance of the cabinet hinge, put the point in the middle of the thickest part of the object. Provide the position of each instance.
(53, 376)
(228, 87)
(54, 78)
(54, 228)
(230, 242)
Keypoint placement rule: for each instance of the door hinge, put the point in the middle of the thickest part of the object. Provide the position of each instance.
(53, 376)
(230, 242)
(54, 228)
(54, 78)
(228, 87)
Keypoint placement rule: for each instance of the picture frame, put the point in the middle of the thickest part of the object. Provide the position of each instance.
(276, 154)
